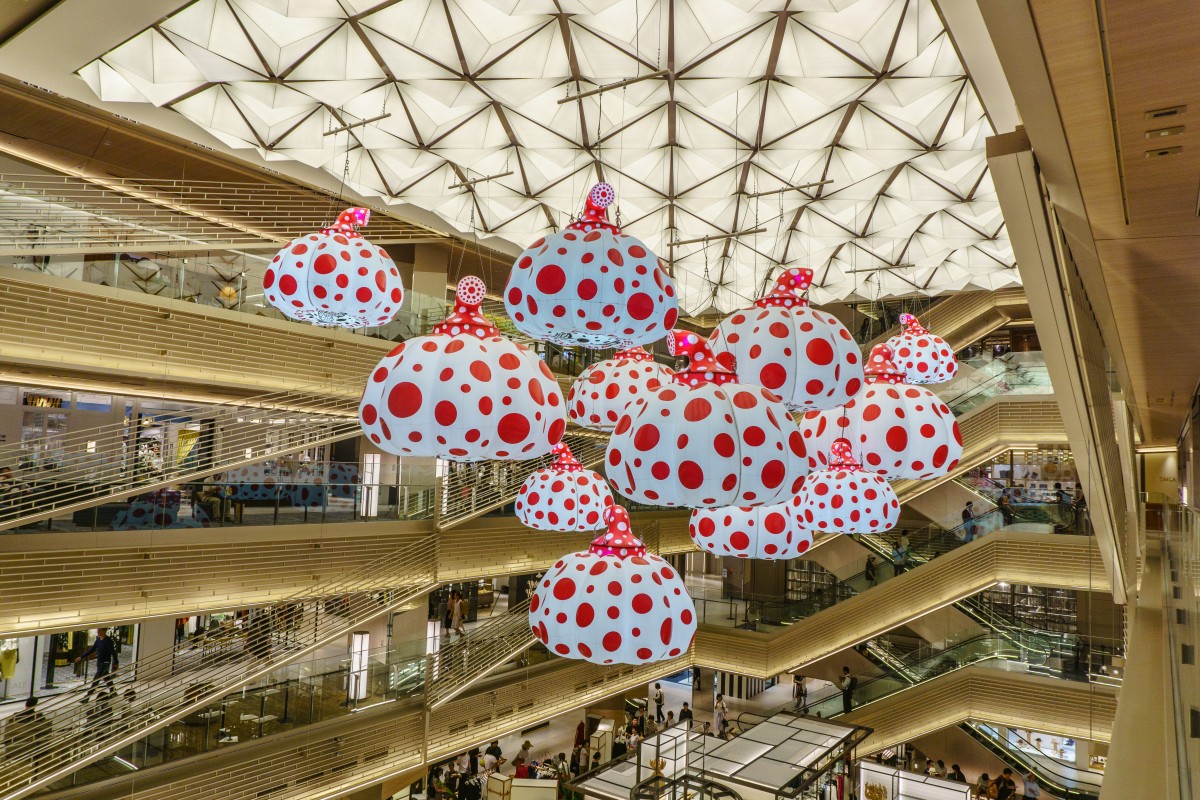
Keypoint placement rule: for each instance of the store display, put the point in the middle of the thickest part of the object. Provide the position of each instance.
(335, 277)
(898, 430)
(922, 356)
(613, 603)
(600, 395)
(805, 356)
(769, 532)
(705, 440)
(844, 498)
(564, 496)
(591, 285)
(463, 392)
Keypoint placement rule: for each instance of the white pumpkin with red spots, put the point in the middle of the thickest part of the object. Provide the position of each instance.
(846, 499)
(900, 431)
(768, 532)
(591, 285)
(599, 397)
(922, 356)
(805, 356)
(705, 440)
(463, 392)
(564, 496)
(613, 603)
(335, 277)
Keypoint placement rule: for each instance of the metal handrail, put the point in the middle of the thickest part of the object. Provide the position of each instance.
(171, 684)
(106, 466)
(467, 659)
(470, 490)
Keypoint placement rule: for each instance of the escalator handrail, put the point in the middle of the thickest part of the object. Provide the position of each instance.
(1047, 777)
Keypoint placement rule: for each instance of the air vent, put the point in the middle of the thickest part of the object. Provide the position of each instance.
(1162, 152)
(1163, 113)
(1158, 133)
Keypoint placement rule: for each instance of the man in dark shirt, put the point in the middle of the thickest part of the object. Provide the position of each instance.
(685, 715)
(105, 650)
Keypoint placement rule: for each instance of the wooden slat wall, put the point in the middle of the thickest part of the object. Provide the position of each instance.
(1069, 562)
(1066, 708)
(60, 581)
(54, 322)
(968, 316)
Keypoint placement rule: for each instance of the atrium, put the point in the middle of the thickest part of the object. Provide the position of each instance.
(607, 399)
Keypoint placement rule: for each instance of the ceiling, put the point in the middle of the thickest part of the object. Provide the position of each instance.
(1141, 206)
(751, 96)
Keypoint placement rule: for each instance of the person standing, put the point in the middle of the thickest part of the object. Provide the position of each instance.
(658, 702)
(670, 720)
(847, 684)
(720, 716)
(685, 715)
(956, 774)
(869, 571)
(799, 690)
(576, 751)
(25, 734)
(983, 788)
(968, 518)
(1032, 790)
(1006, 787)
(899, 559)
(105, 650)
(1006, 509)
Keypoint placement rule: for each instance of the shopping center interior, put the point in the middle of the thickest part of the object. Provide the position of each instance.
(284, 524)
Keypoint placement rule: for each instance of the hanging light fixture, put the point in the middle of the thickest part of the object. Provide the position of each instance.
(600, 395)
(805, 356)
(463, 392)
(613, 603)
(845, 498)
(564, 496)
(591, 285)
(901, 431)
(769, 532)
(706, 441)
(335, 277)
(922, 356)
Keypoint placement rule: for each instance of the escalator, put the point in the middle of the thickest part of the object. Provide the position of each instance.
(1054, 776)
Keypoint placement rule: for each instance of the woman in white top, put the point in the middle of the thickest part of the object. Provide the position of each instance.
(720, 714)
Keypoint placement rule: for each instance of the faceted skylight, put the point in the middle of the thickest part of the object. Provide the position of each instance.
(751, 96)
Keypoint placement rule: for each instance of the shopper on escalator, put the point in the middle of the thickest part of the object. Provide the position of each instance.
(1032, 790)
(847, 684)
(1006, 509)
(869, 571)
(968, 518)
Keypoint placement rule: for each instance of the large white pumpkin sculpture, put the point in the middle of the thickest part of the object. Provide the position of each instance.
(600, 395)
(564, 496)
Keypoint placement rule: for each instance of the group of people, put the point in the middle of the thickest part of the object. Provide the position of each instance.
(456, 613)
(460, 778)
(1002, 787)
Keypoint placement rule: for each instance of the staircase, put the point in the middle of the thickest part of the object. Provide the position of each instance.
(152, 692)
(463, 661)
(57, 474)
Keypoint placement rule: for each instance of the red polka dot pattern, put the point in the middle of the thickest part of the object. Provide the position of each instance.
(920, 355)
(463, 393)
(591, 285)
(805, 356)
(846, 499)
(563, 497)
(706, 441)
(898, 430)
(601, 394)
(769, 532)
(335, 277)
(614, 603)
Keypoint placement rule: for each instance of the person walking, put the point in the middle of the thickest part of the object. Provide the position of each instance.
(1032, 790)
(105, 650)
(458, 610)
(869, 571)
(685, 715)
(720, 716)
(968, 518)
(848, 683)
(658, 702)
